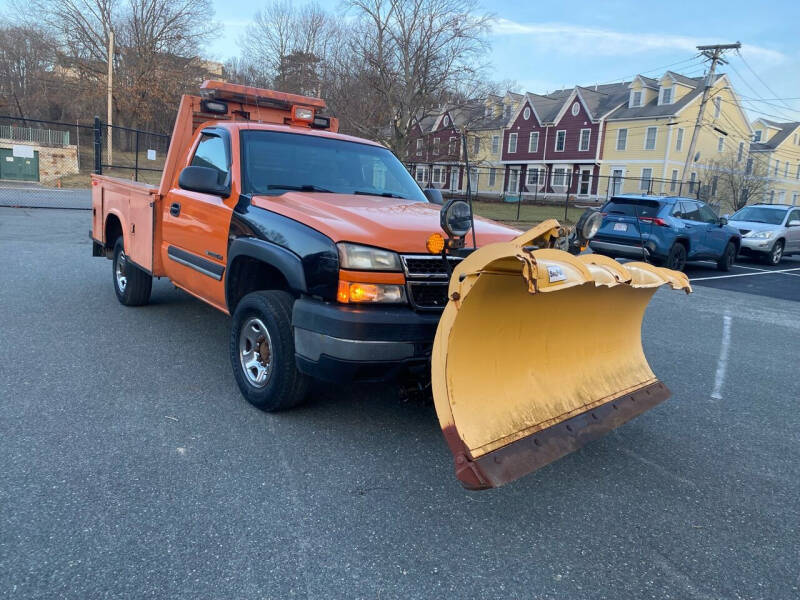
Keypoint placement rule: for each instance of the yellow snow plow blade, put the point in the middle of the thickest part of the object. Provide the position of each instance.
(539, 352)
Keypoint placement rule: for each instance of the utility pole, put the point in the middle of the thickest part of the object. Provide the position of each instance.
(714, 54)
(109, 115)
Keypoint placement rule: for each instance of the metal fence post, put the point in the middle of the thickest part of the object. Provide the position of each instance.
(98, 147)
(136, 159)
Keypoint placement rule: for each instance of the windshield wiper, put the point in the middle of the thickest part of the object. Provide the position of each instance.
(382, 194)
(300, 188)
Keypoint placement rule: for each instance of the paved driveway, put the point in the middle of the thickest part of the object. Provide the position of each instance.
(132, 468)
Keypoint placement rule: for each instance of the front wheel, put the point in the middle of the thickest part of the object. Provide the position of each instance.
(775, 255)
(676, 259)
(131, 284)
(262, 351)
(725, 261)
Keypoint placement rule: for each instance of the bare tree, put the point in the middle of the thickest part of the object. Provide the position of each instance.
(737, 182)
(409, 53)
(26, 62)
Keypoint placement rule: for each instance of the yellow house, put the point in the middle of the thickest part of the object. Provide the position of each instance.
(777, 147)
(647, 140)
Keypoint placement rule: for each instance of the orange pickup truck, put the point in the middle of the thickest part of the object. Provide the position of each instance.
(313, 241)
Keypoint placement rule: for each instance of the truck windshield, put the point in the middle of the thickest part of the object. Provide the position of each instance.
(275, 162)
(757, 214)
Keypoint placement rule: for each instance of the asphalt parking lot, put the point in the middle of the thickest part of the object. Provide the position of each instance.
(132, 468)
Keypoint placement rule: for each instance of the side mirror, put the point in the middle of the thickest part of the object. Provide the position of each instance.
(722, 221)
(203, 180)
(434, 196)
(794, 223)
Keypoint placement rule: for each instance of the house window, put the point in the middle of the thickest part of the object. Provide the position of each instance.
(772, 196)
(795, 139)
(798, 171)
(419, 147)
(586, 135)
(636, 98)
(757, 136)
(422, 174)
(749, 167)
(786, 170)
(622, 139)
(740, 154)
(795, 196)
(679, 140)
(451, 147)
(714, 181)
(436, 145)
(476, 146)
(507, 111)
(647, 177)
(473, 178)
(533, 142)
(512, 143)
(576, 108)
(526, 114)
(446, 121)
(720, 144)
(650, 138)
(666, 95)
(717, 107)
(495, 144)
(673, 183)
(777, 166)
(559, 176)
(561, 137)
(692, 181)
(492, 177)
(437, 175)
(534, 177)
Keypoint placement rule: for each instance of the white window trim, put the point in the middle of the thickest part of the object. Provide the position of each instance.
(436, 146)
(721, 143)
(533, 148)
(757, 135)
(512, 136)
(717, 107)
(655, 138)
(476, 146)
(642, 180)
(631, 103)
(451, 146)
(679, 140)
(495, 144)
(588, 140)
(492, 177)
(555, 141)
(564, 176)
(625, 145)
(663, 92)
(580, 181)
(673, 182)
(740, 154)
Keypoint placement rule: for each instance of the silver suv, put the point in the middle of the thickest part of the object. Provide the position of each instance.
(769, 231)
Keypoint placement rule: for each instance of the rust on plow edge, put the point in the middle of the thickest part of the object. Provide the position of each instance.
(535, 451)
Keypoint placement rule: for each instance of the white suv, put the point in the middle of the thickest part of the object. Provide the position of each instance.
(769, 231)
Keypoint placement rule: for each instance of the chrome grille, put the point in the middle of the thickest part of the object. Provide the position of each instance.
(427, 280)
(428, 266)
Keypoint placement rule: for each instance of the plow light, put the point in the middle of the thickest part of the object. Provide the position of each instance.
(435, 243)
(589, 224)
(300, 113)
(456, 218)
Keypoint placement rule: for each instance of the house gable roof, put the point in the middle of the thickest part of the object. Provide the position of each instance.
(785, 130)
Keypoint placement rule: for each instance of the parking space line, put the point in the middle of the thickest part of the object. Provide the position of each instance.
(745, 274)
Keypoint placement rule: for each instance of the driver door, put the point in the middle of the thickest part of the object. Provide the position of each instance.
(195, 226)
(716, 237)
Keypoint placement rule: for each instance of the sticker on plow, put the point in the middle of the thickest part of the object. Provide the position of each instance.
(555, 273)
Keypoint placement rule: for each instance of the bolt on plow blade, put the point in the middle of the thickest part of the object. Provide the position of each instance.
(539, 352)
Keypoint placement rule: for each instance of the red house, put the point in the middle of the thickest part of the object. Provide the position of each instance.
(553, 144)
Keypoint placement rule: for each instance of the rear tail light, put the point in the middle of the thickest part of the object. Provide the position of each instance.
(655, 221)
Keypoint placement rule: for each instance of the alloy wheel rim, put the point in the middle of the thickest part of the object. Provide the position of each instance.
(120, 272)
(777, 251)
(255, 352)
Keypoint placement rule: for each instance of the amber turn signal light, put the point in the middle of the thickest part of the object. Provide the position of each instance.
(435, 243)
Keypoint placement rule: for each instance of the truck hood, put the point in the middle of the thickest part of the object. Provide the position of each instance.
(392, 223)
(753, 226)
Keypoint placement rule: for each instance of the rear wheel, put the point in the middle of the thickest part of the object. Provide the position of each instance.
(775, 255)
(131, 284)
(725, 261)
(676, 259)
(262, 351)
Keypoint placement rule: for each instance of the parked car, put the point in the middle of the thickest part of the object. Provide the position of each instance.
(665, 230)
(769, 231)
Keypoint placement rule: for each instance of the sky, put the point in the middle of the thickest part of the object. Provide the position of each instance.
(584, 43)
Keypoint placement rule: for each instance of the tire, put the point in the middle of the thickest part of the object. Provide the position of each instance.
(676, 259)
(261, 330)
(131, 284)
(725, 261)
(775, 255)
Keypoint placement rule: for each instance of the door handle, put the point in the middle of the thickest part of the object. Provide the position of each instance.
(175, 209)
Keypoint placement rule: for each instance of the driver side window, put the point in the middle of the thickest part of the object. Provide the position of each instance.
(212, 153)
(691, 211)
(706, 214)
(793, 216)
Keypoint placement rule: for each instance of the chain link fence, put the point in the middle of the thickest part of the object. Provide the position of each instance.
(47, 164)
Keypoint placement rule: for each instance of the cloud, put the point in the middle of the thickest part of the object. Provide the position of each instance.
(576, 39)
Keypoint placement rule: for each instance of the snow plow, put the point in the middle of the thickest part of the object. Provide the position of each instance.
(538, 352)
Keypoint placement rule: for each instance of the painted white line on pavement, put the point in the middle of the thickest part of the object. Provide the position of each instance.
(722, 363)
(744, 274)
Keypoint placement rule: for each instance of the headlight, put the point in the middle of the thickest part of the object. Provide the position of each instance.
(759, 235)
(365, 258)
(350, 292)
(456, 218)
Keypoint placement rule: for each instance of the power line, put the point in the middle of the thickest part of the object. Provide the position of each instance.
(764, 83)
(686, 60)
(753, 89)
